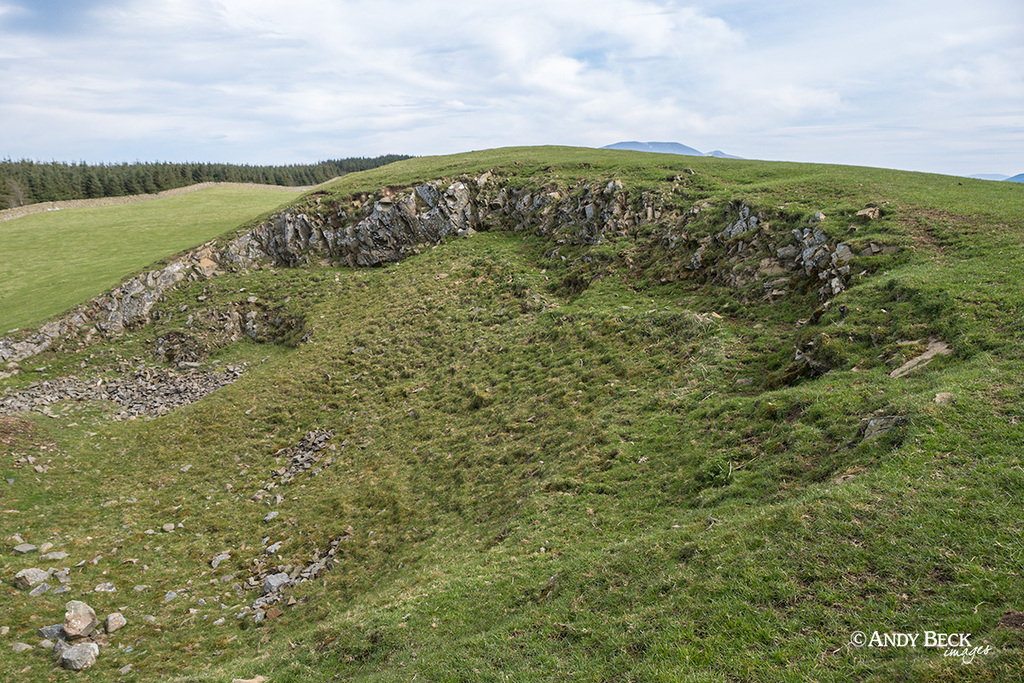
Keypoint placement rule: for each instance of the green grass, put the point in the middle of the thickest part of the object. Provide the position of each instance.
(52, 261)
(495, 428)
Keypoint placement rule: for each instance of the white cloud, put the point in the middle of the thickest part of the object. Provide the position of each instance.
(267, 81)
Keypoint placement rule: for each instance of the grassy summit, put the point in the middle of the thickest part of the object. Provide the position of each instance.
(554, 459)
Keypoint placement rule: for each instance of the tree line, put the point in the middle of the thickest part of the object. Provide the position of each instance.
(28, 182)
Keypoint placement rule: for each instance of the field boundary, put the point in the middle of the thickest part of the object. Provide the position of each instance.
(41, 207)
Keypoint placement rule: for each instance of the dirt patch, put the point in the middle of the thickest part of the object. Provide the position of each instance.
(919, 226)
(1012, 619)
(15, 430)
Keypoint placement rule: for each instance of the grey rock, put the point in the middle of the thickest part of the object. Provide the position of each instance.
(872, 428)
(788, 253)
(115, 622)
(24, 549)
(125, 670)
(168, 528)
(54, 632)
(58, 649)
(217, 559)
(80, 657)
(170, 595)
(32, 576)
(55, 556)
(270, 516)
(40, 589)
(747, 221)
(105, 588)
(46, 644)
(275, 582)
(79, 620)
(21, 647)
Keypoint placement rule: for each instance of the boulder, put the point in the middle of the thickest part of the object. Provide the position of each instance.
(79, 620)
(843, 252)
(115, 622)
(275, 582)
(58, 649)
(79, 657)
(32, 576)
(54, 632)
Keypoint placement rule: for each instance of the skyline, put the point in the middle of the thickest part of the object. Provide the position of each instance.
(935, 86)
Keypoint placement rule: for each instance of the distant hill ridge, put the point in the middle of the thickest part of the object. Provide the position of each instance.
(668, 148)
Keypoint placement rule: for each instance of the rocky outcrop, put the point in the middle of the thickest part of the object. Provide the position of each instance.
(124, 306)
(369, 231)
(394, 226)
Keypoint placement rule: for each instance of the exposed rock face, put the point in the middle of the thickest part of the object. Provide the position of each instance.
(394, 227)
(122, 307)
(399, 223)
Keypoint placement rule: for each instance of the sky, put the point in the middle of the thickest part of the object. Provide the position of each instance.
(924, 85)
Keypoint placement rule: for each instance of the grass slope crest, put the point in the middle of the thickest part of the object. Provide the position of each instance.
(654, 419)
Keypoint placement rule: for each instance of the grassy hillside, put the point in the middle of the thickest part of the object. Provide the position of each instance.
(52, 261)
(552, 460)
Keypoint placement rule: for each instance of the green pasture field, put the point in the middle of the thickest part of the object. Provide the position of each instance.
(535, 482)
(50, 262)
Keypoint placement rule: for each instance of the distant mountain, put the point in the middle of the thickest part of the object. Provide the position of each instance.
(721, 155)
(989, 176)
(659, 147)
(1019, 178)
(668, 148)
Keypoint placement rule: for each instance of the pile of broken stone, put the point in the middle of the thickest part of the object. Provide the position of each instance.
(76, 642)
(144, 391)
